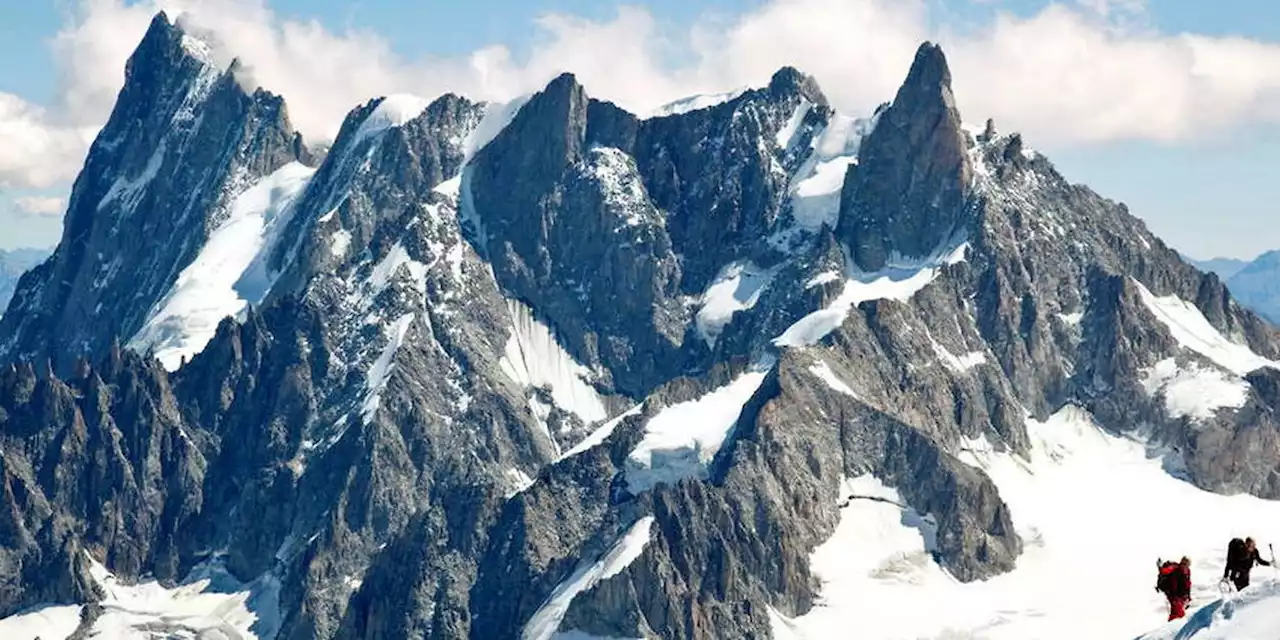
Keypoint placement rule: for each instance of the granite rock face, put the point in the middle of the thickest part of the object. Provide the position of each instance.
(551, 366)
(907, 194)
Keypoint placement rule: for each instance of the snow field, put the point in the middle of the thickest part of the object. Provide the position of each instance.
(209, 605)
(1094, 510)
(1253, 614)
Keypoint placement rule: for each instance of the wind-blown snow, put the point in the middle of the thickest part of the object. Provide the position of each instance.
(1093, 512)
(534, 358)
(682, 439)
(695, 103)
(602, 433)
(1194, 391)
(393, 111)
(220, 282)
(1193, 331)
(1250, 615)
(892, 283)
(736, 288)
(546, 620)
(380, 372)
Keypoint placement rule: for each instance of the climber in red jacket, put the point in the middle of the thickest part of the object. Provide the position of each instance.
(1175, 583)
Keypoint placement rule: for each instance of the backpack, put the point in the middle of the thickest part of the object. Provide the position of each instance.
(1166, 582)
(1236, 552)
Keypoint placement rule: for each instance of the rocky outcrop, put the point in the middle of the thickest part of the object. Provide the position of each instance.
(906, 196)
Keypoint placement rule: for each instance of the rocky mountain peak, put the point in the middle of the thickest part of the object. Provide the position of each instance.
(789, 81)
(913, 171)
(183, 143)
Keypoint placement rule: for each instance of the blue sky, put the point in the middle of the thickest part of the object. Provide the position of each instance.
(1207, 194)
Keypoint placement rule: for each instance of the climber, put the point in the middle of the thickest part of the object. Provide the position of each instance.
(1175, 583)
(1241, 556)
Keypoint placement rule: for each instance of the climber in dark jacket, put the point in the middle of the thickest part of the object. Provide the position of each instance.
(1241, 556)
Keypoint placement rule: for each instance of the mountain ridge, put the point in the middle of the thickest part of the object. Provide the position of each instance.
(441, 417)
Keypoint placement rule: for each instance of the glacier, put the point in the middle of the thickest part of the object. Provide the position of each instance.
(1093, 509)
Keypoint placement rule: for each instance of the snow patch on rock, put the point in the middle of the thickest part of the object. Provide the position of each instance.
(737, 287)
(682, 439)
(898, 281)
(815, 189)
(534, 358)
(602, 433)
(380, 372)
(824, 373)
(1194, 391)
(545, 622)
(1193, 331)
(222, 280)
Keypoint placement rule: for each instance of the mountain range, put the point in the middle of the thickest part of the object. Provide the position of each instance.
(1255, 283)
(550, 369)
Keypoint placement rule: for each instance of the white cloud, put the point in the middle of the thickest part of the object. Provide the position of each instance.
(43, 206)
(1085, 72)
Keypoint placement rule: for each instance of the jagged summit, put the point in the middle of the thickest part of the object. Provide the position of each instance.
(907, 195)
(789, 81)
(182, 143)
(929, 69)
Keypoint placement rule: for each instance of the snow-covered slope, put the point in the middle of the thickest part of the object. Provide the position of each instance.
(228, 275)
(1253, 614)
(694, 103)
(1095, 511)
(209, 605)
